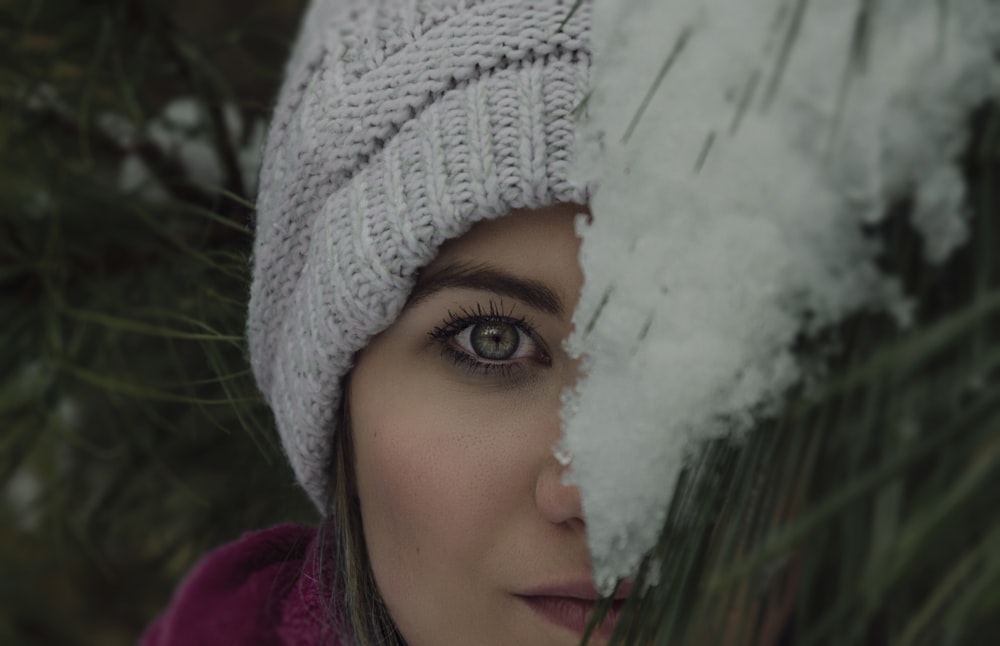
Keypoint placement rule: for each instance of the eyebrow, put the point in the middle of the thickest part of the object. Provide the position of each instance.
(491, 279)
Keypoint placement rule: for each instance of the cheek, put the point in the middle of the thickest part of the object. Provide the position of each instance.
(425, 468)
(440, 476)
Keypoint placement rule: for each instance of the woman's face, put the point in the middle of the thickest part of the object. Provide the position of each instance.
(472, 536)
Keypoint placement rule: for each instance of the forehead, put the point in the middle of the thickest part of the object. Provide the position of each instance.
(539, 244)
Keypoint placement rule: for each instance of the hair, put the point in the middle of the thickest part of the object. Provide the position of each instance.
(354, 604)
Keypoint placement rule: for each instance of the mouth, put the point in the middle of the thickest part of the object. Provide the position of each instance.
(573, 613)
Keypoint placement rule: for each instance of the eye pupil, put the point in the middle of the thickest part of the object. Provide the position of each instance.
(494, 341)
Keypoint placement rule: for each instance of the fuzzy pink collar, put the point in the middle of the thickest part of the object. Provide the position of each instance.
(259, 590)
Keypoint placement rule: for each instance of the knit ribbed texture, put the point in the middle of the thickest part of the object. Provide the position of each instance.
(400, 125)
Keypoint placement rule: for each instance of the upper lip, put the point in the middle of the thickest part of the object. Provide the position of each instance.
(581, 589)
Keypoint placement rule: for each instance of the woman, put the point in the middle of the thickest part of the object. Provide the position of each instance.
(415, 271)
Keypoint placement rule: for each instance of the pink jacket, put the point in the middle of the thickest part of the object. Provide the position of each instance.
(260, 590)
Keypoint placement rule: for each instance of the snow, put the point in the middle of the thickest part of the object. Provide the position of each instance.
(738, 201)
(22, 495)
(181, 131)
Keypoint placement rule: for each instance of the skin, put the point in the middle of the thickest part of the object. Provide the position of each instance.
(462, 499)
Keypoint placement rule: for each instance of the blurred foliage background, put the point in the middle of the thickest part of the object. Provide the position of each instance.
(132, 437)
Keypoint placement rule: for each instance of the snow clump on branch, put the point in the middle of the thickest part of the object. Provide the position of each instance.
(730, 213)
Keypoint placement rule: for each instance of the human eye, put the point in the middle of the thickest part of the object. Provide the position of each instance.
(490, 342)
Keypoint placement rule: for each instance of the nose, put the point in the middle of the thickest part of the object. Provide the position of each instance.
(558, 502)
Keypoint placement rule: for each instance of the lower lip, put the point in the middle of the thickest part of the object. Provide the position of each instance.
(573, 613)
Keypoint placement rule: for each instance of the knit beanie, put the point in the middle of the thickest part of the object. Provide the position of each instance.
(400, 124)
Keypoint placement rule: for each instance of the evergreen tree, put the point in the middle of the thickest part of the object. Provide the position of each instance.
(132, 435)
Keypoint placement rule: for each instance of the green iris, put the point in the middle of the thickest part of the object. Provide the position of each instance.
(494, 341)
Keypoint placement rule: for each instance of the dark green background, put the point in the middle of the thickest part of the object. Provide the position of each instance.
(131, 434)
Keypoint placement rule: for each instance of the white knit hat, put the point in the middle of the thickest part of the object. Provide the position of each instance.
(399, 126)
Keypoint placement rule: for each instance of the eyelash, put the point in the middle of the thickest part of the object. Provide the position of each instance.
(465, 318)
